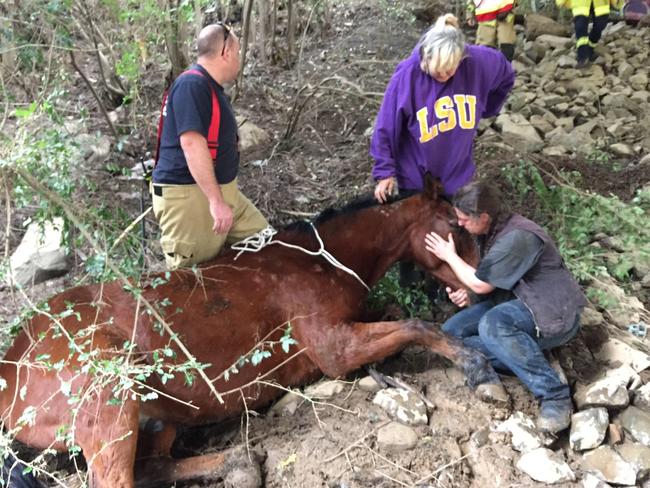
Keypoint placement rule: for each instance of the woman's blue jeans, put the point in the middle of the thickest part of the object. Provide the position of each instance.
(507, 335)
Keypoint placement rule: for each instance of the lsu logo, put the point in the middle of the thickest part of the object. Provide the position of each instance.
(449, 114)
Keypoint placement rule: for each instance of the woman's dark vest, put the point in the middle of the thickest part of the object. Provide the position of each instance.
(548, 289)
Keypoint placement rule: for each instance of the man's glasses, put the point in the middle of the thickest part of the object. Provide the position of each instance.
(226, 33)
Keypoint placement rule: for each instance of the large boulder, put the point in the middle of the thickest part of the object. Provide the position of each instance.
(40, 255)
(537, 25)
(518, 132)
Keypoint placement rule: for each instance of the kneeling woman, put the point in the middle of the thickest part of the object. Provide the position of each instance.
(529, 300)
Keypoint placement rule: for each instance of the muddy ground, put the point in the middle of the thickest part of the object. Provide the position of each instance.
(324, 161)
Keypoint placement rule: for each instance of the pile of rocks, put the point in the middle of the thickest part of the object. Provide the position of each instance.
(609, 436)
(558, 109)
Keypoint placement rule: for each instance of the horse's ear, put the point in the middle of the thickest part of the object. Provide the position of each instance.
(433, 188)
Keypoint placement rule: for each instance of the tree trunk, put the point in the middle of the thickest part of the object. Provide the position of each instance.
(274, 25)
(291, 31)
(248, 8)
(174, 38)
(262, 19)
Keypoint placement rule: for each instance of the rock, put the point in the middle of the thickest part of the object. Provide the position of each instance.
(591, 481)
(641, 265)
(636, 422)
(566, 61)
(625, 309)
(325, 389)
(639, 81)
(622, 149)
(618, 128)
(555, 150)
(248, 476)
(368, 383)
(591, 78)
(615, 434)
(566, 123)
(588, 429)
(606, 392)
(250, 135)
(287, 405)
(455, 376)
(396, 437)
(480, 438)
(625, 70)
(525, 436)
(642, 398)
(550, 41)
(537, 25)
(638, 455)
(614, 351)
(645, 281)
(608, 465)
(518, 132)
(100, 148)
(642, 96)
(590, 316)
(535, 52)
(578, 139)
(39, 256)
(517, 101)
(402, 405)
(544, 465)
(541, 124)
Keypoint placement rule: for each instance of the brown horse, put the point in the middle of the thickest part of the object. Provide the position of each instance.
(84, 370)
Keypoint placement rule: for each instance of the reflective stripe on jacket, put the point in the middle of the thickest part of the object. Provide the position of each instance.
(582, 7)
(489, 9)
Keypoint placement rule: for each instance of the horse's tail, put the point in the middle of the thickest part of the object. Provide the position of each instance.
(13, 475)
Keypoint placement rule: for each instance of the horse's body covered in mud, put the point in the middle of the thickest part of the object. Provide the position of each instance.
(77, 374)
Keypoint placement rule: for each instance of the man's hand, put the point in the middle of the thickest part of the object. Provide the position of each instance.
(460, 297)
(222, 215)
(384, 189)
(442, 249)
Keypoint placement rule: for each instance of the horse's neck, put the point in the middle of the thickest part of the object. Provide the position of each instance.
(368, 241)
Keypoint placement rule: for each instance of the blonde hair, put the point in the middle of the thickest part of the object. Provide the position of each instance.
(442, 47)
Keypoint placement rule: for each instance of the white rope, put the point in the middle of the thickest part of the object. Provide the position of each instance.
(263, 238)
(256, 242)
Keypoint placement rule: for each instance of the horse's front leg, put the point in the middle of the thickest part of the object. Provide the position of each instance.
(344, 347)
(108, 435)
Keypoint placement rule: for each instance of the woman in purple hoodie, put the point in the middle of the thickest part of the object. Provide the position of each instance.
(432, 108)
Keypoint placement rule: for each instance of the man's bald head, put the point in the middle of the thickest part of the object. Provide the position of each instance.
(211, 39)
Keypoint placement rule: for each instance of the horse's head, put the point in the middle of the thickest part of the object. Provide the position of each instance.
(436, 214)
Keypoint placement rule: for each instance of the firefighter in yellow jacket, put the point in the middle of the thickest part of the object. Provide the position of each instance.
(584, 11)
(496, 24)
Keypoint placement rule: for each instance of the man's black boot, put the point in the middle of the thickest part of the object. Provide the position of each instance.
(508, 51)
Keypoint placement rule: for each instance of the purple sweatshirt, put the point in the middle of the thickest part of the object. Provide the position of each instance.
(426, 126)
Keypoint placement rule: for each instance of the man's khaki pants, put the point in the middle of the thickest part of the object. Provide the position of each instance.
(186, 224)
(495, 32)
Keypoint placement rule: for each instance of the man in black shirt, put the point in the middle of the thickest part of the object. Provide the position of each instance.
(529, 300)
(195, 195)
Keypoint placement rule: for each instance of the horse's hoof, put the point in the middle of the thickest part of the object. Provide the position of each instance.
(493, 393)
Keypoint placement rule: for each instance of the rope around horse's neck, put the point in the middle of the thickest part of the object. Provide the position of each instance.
(263, 238)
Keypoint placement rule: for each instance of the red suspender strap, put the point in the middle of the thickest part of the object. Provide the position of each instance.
(215, 121)
(160, 126)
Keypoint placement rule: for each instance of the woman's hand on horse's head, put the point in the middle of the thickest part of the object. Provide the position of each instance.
(459, 297)
(441, 248)
(384, 189)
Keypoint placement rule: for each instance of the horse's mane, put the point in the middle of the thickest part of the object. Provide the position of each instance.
(333, 212)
